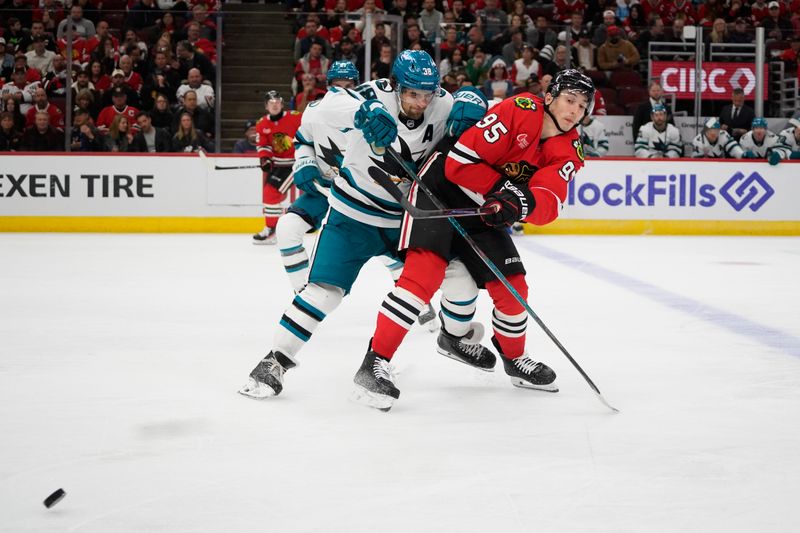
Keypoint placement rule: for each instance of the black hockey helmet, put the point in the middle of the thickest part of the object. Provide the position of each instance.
(272, 95)
(573, 81)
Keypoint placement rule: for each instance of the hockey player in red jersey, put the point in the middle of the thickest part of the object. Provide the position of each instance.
(275, 145)
(520, 159)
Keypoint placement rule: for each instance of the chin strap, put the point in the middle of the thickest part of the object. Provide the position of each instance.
(276, 118)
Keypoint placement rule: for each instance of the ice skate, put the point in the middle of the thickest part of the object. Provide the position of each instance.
(266, 379)
(428, 319)
(466, 349)
(265, 236)
(527, 373)
(374, 386)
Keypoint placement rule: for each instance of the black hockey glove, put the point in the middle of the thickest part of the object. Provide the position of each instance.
(266, 164)
(512, 203)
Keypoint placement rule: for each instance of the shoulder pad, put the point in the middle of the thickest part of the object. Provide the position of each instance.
(384, 85)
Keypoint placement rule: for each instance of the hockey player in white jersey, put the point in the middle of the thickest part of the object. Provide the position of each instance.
(760, 143)
(319, 153)
(791, 138)
(715, 143)
(593, 136)
(411, 113)
(658, 138)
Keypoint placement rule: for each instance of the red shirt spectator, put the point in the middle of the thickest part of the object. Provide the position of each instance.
(669, 11)
(651, 7)
(106, 116)
(563, 9)
(101, 31)
(41, 104)
(80, 54)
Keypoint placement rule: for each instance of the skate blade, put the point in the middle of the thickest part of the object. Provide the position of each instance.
(371, 399)
(522, 384)
(257, 391)
(431, 325)
(265, 242)
(454, 358)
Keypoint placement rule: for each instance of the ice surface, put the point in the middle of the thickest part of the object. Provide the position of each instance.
(120, 357)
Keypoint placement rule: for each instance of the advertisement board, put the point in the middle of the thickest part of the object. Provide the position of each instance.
(717, 83)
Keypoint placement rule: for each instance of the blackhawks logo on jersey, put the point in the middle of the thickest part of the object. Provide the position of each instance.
(519, 171)
(578, 148)
(525, 103)
(281, 143)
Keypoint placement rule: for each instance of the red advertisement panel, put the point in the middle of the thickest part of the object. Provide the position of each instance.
(718, 81)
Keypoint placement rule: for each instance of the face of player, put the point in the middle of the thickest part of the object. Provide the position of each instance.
(343, 84)
(759, 134)
(712, 135)
(414, 102)
(568, 108)
(659, 119)
(274, 107)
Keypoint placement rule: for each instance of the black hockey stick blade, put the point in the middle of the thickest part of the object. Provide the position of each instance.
(219, 167)
(385, 181)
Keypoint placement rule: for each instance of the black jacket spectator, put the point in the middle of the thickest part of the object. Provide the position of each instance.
(188, 143)
(189, 59)
(164, 119)
(10, 137)
(143, 14)
(163, 141)
(203, 120)
(49, 140)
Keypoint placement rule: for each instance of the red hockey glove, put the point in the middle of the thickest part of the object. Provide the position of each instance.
(512, 203)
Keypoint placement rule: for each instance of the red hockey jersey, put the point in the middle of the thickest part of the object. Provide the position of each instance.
(275, 139)
(507, 143)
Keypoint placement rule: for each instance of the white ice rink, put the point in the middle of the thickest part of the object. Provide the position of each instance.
(120, 357)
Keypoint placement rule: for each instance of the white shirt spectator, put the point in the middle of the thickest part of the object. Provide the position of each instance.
(43, 63)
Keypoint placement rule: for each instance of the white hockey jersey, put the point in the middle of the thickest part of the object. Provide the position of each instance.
(354, 193)
(788, 138)
(726, 146)
(594, 138)
(770, 143)
(654, 143)
(27, 94)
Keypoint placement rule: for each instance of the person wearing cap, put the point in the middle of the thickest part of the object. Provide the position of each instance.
(119, 106)
(525, 67)
(761, 143)
(345, 51)
(152, 138)
(40, 58)
(790, 137)
(600, 31)
(715, 143)
(247, 144)
(776, 25)
(617, 53)
(118, 82)
(737, 117)
(498, 85)
(740, 34)
(20, 90)
(658, 138)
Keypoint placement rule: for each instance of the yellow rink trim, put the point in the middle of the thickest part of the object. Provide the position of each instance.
(132, 224)
(666, 227)
(252, 225)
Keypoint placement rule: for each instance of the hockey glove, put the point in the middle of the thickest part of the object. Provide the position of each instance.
(306, 172)
(774, 158)
(375, 122)
(266, 164)
(278, 176)
(512, 203)
(794, 155)
(749, 154)
(469, 106)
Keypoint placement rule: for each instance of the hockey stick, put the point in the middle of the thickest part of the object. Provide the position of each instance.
(386, 182)
(499, 275)
(214, 166)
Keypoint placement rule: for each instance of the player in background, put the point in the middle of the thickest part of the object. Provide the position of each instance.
(790, 137)
(275, 145)
(593, 136)
(411, 113)
(502, 161)
(319, 151)
(715, 143)
(658, 138)
(760, 143)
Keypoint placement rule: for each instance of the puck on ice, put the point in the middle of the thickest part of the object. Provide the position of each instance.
(54, 498)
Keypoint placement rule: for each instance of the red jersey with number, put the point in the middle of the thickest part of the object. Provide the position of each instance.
(275, 138)
(507, 143)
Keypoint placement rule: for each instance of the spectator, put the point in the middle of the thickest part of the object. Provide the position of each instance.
(518, 8)
(119, 136)
(617, 53)
(642, 114)
(40, 58)
(142, 15)
(131, 78)
(14, 34)
(10, 136)
(118, 82)
(84, 136)
(85, 101)
(575, 27)
(452, 64)
(737, 117)
(162, 114)
(37, 30)
(683, 8)
(461, 15)
(561, 61)
(79, 53)
(132, 40)
(11, 105)
(163, 79)
(717, 35)
(55, 81)
(429, 19)
(378, 40)
(6, 62)
(655, 33)
(247, 145)
(42, 137)
(760, 143)
(525, 66)
(101, 33)
(541, 35)
(658, 138)
(201, 119)
(345, 51)
(623, 9)
(715, 143)
(312, 63)
(635, 23)
(153, 139)
(513, 50)
(498, 85)
(493, 19)
(208, 48)
(532, 85)
(790, 137)
(584, 53)
(675, 35)
(740, 33)
(188, 58)
(593, 136)
(382, 68)
(368, 6)
(414, 37)
(207, 28)
(759, 10)
(309, 92)
(187, 138)
(776, 25)
(563, 9)
(42, 105)
(203, 89)
(119, 106)
(98, 78)
(83, 26)
(600, 34)
(736, 10)
(20, 90)
(477, 67)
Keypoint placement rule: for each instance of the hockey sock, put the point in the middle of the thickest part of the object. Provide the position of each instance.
(459, 297)
(509, 319)
(290, 230)
(394, 265)
(272, 199)
(422, 275)
(304, 315)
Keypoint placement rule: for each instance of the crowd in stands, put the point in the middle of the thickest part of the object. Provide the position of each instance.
(142, 75)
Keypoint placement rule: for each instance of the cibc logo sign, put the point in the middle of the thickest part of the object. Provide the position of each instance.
(672, 190)
(752, 191)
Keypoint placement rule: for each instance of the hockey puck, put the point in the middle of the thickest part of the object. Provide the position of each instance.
(54, 498)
